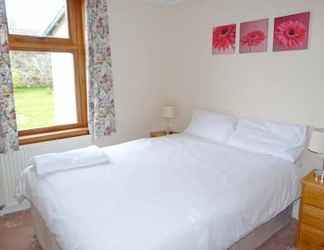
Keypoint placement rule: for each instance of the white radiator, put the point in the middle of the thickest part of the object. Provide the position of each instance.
(11, 165)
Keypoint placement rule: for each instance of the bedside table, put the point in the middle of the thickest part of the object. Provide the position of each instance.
(158, 134)
(311, 215)
(161, 133)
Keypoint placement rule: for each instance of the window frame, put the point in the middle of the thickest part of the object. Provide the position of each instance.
(76, 46)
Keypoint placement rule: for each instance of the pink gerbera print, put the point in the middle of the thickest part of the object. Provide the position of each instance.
(253, 39)
(224, 39)
(291, 32)
(254, 36)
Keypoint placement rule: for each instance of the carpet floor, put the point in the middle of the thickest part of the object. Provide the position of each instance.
(16, 233)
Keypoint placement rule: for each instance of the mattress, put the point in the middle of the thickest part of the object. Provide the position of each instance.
(176, 193)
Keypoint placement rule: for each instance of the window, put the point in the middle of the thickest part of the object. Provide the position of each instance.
(43, 18)
(48, 68)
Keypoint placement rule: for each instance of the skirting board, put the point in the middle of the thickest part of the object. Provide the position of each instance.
(15, 207)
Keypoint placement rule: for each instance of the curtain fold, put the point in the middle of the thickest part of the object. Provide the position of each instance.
(8, 124)
(102, 117)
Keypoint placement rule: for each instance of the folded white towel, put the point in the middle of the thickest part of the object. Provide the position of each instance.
(80, 158)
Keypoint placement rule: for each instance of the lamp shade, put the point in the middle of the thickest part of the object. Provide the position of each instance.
(168, 112)
(316, 144)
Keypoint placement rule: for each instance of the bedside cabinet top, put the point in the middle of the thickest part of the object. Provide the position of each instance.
(161, 133)
(158, 133)
(310, 180)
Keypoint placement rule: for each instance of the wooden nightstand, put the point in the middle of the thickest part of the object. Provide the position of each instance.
(160, 133)
(311, 215)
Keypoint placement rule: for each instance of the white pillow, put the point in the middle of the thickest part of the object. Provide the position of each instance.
(212, 126)
(281, 140)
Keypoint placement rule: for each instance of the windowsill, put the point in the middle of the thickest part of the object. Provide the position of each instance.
(50, 136)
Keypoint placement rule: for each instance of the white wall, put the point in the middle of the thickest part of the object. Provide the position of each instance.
(286, 86)
(136, 49)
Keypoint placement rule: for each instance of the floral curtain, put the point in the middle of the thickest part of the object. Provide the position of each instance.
(100, 81)
(8, 125)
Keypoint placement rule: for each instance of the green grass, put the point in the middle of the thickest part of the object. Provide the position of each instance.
(34, 107)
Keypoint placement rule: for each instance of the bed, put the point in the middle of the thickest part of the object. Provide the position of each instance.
(179, 192)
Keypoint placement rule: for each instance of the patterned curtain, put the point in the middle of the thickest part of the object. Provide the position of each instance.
(8, 125)
(102, 116)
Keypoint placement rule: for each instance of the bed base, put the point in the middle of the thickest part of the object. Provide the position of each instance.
(264, 232)
(45, 238)
(250, 242)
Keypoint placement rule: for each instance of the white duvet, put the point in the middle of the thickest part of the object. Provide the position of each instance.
(169, 193)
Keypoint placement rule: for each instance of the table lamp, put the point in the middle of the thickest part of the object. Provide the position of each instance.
(316, 146)
(168, 113)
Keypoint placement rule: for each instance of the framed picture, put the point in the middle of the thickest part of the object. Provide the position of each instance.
(254, 36)
(224, 39)
(291, 32)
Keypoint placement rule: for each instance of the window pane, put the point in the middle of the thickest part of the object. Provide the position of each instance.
(44, 87)
(45, 18)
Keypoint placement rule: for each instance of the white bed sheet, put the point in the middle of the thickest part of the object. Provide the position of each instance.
(170, 193)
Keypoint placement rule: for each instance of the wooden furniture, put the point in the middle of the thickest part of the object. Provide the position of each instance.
(158, 134)
(161, 133)
(311, 217)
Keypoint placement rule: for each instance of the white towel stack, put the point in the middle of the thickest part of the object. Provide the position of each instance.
(80, 158)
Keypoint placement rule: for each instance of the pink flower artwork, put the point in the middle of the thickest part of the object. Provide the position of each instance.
(254, 36)
(224, 39)
(291, 32)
